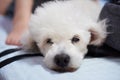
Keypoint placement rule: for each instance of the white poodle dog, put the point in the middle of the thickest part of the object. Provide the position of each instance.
(62, 30)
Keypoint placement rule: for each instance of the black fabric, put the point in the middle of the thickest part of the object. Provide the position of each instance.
(115, 2)
(111, 12)
(102, 51)
(38, 3)
(10, 10)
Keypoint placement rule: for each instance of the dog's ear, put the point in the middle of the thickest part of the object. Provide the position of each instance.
(98, 33)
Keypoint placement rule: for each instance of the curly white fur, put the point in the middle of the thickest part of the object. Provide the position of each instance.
(60, 21)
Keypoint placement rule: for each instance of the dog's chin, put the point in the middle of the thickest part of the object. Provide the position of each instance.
(66, 69)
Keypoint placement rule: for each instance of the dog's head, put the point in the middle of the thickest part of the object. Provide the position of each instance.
(64, 49)
(63, 38)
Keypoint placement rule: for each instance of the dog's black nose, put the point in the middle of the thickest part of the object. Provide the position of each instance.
(62, 60)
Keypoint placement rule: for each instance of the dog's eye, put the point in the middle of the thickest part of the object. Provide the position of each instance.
(75, 40)
(49, 41)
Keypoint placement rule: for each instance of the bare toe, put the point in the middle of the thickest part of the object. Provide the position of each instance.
(17, 42)
(8, 41)
(13, 39)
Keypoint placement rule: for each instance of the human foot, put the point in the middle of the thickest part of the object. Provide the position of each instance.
(15, 36)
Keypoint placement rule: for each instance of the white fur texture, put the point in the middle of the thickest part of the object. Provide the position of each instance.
(60, 21)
